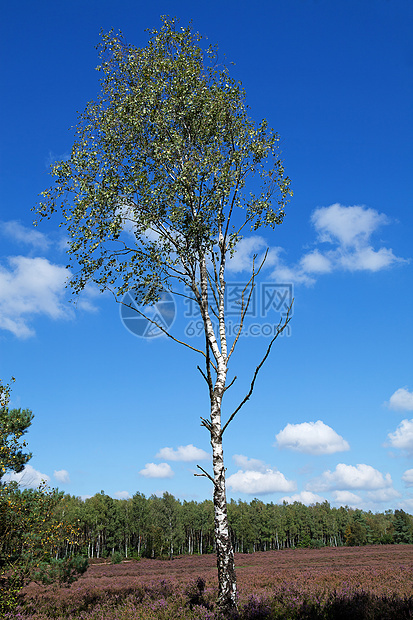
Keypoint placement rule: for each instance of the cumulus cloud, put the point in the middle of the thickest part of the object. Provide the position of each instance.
(344, 243)
(401, 400)
(260, 483)
(402, 438)
(62, 476)
(29, 477)
(305, 497)
(350, 229)
(249, 464)
(257, 478)
(315, 262)
(294, 274)
(29, 236)
(30, 286)
(367, 259)
(383, 495)
(347, 498)
(183, 453)
(123, 495)
(154, 470)
(35, 286)
(311, 438)
(408, 477)
(346, 477)
(349, 226)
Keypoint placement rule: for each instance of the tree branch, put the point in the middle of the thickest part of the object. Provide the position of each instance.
(206, 423)
(280, 329)
(244, 310)
(205, 474)
(229, 385)
(185, 344)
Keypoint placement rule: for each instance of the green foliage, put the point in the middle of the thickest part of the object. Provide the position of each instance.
(160, 166)
(31, 536)
(14, 423)
(403, 527)
(355, 534)
(32, 531)
(116, 557)
(60, 571)
(10, 588)
(154, 526)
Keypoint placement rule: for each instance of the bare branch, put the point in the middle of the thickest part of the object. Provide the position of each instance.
(185, 344)
(203, 374)
(244, 310)
(280, 328)
(205, 474)
(229, 385)
(206, 423)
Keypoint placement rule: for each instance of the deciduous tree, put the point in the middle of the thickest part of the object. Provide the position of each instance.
(156, 195)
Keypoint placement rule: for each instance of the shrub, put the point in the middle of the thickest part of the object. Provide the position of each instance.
(116, 558)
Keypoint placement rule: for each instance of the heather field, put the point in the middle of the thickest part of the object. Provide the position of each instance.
(345, 582)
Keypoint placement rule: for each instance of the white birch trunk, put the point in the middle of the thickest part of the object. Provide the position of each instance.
(227, 596)
(217, 344)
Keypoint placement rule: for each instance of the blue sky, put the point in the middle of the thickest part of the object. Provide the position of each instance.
(332, 413)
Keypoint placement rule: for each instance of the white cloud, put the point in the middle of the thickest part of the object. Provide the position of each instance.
(408, 477)
(347, 498)
(367, 259)
(350, 229)
(407, 504)
(16, 231)
(62, 476)
(305, 497)
(315, 262)
(154, 470)
(249, 464)
(246, 248)
(346, 477)
(183, 453)
(402, 438)
(349, 226)
(30, 286)
(311, 438)
(35, 286)
(401, 400)
(123, 495)
(294, 274)
(29, 478)
(347, 230)
(383, 495)
(258, 478)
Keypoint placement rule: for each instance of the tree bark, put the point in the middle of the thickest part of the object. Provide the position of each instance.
(227, 582)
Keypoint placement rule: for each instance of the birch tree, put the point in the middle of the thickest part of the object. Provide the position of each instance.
(157, 195)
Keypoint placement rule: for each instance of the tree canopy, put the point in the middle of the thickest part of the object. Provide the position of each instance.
(158, 173)
(14, 423)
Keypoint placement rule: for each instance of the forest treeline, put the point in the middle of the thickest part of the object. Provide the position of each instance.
(159, 527)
